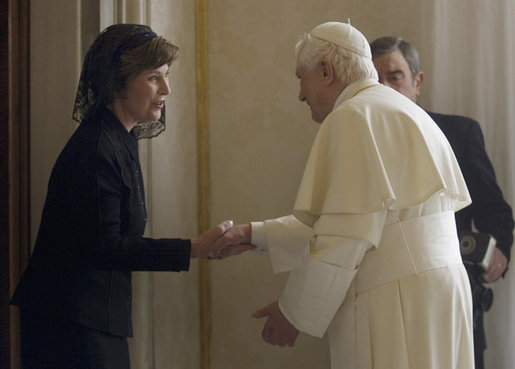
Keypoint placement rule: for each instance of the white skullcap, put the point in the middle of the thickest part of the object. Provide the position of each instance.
(344, 35)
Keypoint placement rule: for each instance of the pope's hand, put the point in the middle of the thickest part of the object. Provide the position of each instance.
(204, 247)
(234, 241)
(277, 330)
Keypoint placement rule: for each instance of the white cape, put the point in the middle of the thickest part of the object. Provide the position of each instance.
(365, 150)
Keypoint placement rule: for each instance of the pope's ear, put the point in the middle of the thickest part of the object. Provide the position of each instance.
(327, 71)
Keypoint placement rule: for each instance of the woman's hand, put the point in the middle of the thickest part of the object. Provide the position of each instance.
(235, 241)
(202, 246)
(222, 241)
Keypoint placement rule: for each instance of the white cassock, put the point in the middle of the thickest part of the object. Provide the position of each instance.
(372, 244)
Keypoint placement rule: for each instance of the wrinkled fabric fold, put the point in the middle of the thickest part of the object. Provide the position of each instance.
(364, 152)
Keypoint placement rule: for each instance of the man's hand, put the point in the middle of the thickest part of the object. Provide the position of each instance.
(235, 241)
(277, 330)
(498, 265)
(222, 241)
(203, 246)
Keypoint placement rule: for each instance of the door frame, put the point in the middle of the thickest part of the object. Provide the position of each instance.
(14, 168)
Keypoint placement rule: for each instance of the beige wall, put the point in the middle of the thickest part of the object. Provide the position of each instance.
(54, 77)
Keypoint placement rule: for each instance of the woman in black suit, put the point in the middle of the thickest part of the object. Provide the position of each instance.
(75, 295)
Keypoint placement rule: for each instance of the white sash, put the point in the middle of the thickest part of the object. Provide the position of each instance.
(410, 247)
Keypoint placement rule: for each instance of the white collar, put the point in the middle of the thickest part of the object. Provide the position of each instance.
(353, 89)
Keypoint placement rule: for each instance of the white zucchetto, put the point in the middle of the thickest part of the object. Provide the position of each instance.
(343, 35)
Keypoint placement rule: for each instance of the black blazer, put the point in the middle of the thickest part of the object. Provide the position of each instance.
(489, 212)
(91, 232)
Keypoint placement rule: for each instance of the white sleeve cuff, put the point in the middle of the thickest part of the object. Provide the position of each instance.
(313, 294)
(287, 240)
(258, 236)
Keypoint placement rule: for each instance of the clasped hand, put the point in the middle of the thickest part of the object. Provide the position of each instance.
(221, 241)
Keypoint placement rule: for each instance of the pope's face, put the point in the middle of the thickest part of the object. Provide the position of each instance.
(145, 95)
(394, 72)
(313, 91)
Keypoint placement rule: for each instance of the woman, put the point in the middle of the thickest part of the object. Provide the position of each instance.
(75, 295)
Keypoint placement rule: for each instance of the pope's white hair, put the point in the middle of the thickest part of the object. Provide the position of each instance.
(349, 67)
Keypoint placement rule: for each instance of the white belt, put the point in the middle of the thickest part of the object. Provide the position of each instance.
(409, 247)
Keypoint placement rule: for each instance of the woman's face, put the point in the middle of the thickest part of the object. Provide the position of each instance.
(144, 96)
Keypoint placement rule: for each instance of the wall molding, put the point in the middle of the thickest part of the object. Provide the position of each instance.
(203, 175)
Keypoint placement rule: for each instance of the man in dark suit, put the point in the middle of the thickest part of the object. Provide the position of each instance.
(397, 63)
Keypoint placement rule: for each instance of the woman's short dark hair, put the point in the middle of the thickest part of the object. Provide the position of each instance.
(152, 54)
(118, 54)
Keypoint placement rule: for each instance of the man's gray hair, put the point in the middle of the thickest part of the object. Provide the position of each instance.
(349, 67)
(388, 44)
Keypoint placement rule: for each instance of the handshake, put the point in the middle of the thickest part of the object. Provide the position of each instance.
(221, 241)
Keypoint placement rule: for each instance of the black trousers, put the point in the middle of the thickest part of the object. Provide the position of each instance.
(49, 341)
(479, 339)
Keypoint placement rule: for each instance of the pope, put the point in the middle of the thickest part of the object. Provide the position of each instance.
(371, 245)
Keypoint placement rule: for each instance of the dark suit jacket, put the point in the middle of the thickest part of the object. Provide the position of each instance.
(489, 211)
(91, 232)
